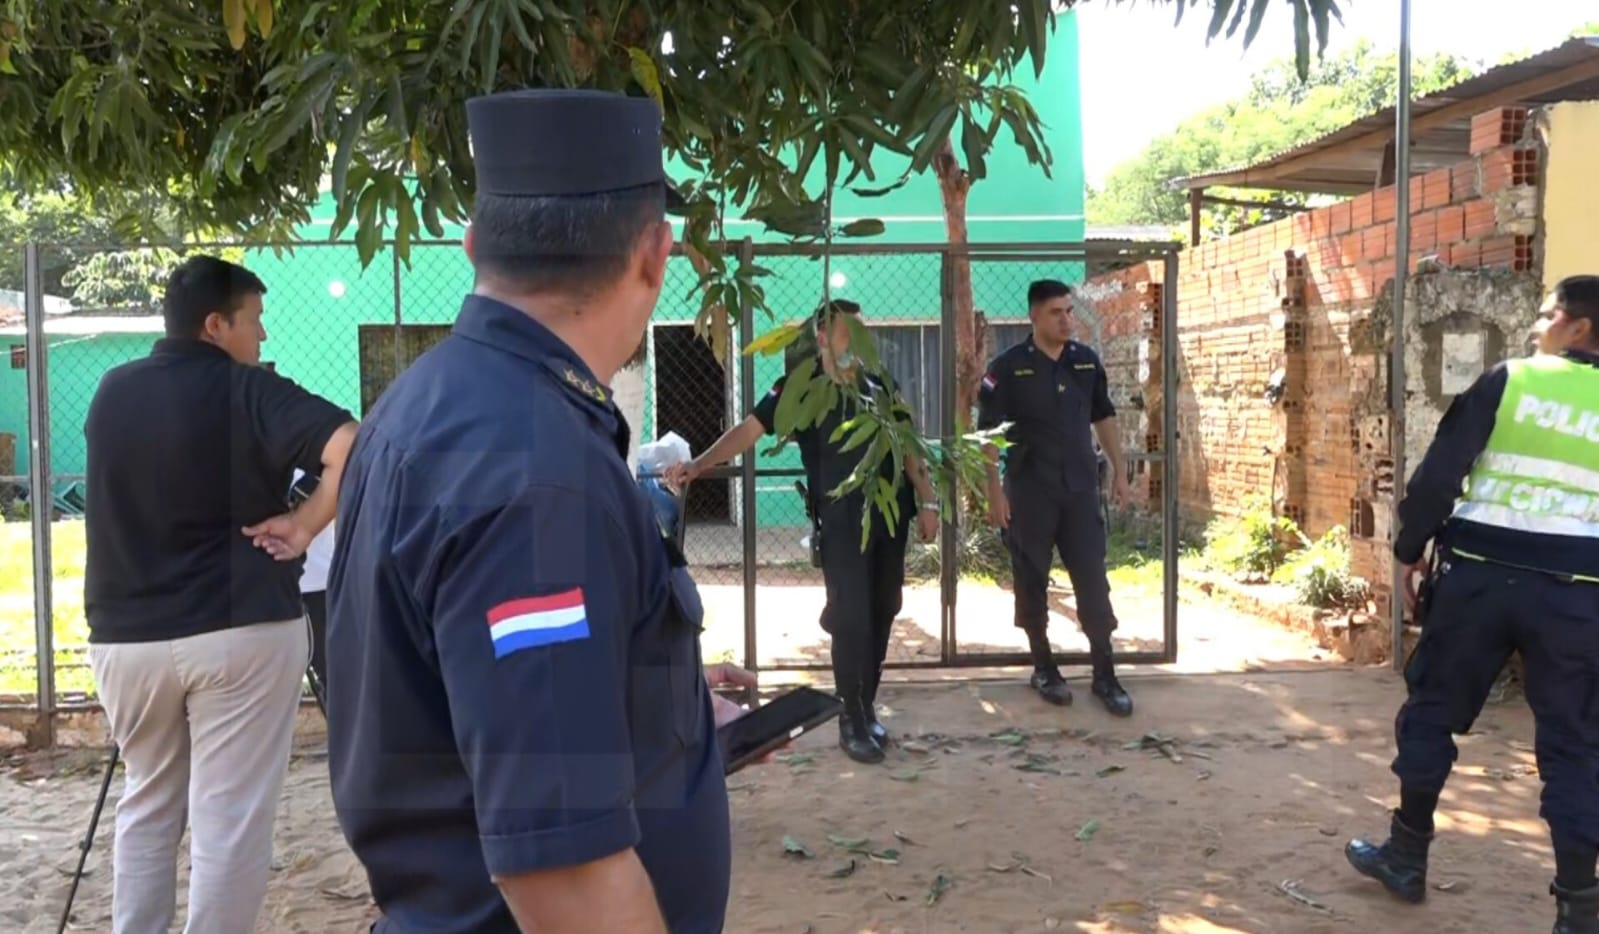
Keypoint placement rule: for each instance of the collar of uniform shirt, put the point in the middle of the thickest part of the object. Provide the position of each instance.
(1033, 346)
(1590, 357)
(498, 325)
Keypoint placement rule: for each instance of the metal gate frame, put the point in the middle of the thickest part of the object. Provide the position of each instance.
(950, 656)
(1165, 255)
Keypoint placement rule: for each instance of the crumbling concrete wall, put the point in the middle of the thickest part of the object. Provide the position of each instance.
(1457, 324)
(1274, 402)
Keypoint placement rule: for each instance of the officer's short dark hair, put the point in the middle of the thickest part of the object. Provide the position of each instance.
(562, 243)
(1579, 295)
(201, 285)
(828, 310)
(1044, 290)
(807, 345)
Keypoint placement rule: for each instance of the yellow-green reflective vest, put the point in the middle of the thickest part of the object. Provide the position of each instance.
(1539, 472)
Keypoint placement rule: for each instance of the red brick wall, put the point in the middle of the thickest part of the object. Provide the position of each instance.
(1285, 296)
(1127, 304)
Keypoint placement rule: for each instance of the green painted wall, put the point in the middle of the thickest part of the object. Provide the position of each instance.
(76, 364)
(319, 295)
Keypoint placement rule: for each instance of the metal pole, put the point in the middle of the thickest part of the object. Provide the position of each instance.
(1396, 362)
(1169, 524)
(746, 390)
(399, 316)
(949, 541)
(41, 503)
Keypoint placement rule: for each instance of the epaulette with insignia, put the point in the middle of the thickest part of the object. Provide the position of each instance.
(585, 385)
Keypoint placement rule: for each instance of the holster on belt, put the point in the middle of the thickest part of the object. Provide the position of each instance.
(1429, 583)
(816, 523)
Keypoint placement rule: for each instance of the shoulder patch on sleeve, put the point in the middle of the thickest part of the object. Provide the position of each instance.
(529, 622)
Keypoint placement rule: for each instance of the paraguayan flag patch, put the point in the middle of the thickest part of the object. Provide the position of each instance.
(529, 622)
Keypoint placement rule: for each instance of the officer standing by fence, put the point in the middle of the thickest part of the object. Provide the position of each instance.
(1055, 393)
(864, 590)
(1518, 571)
(520, 733)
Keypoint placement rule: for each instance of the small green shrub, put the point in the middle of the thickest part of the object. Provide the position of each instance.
(1320, 572)
(1251, 546)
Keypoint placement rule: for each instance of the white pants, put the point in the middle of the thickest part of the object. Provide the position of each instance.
(204, 724)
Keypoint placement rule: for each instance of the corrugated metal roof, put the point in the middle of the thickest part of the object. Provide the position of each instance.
(1347, 160)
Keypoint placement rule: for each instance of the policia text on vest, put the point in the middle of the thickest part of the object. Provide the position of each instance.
(1538, 473)
(1508, 497)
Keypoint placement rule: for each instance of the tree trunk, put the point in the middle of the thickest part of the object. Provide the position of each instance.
(953, 186)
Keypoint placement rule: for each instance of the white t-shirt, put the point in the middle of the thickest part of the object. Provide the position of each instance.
(314, 576)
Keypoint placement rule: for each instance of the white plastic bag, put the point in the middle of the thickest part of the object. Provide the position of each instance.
(655, 457)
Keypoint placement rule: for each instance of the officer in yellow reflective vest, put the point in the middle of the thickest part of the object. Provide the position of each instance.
(1518, 571)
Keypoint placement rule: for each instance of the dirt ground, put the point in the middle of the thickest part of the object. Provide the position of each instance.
(1221, 806)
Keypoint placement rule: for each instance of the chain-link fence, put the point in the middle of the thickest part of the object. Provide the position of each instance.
(344, 331)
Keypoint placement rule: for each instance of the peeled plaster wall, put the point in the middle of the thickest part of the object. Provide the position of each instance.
(1458, 323)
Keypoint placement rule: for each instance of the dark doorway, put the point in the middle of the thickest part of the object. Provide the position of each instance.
(691, 399)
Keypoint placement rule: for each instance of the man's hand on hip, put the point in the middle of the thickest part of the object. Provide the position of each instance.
(282, 537)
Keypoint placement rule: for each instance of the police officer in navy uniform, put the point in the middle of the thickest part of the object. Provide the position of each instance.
(520, 732)
(1054, 393)
(1518, 571)
(865, 589)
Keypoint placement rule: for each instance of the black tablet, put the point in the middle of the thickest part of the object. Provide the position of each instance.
(773, 725)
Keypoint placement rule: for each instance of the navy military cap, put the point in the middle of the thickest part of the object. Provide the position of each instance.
(555, 141)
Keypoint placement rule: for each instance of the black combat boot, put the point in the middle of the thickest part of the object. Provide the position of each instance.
(873, 725)
(1400, 864)
(1109, 690)
(1046, 680)
(855, 731)
(1576, 912)
(1049, 684)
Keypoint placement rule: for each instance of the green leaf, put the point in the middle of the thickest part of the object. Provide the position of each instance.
(974, 146)
(863, 433)
(861, 159)
(1256, 16)
(796, 388)
(233, 21)
(792, 847)
(1087, 831)
(643, 70)
(937, 133)
(879, 192)
(1302, 37)
(864, 227)
(1035, 19)
(1218, 19)
(775, 340)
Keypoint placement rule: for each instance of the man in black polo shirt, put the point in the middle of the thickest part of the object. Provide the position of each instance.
(197, 635)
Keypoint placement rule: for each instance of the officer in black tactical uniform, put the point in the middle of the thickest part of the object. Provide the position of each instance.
(1518, 571)
(864, 589)
(1055, 394)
